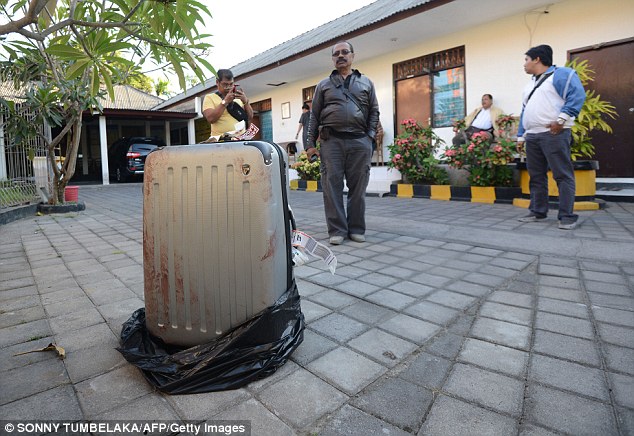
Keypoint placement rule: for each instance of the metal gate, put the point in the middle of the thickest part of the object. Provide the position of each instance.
(23, 168)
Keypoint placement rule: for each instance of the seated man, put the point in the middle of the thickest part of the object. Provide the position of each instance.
(482, 119)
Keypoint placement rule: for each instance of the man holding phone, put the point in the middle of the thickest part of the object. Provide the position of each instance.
(228, 109)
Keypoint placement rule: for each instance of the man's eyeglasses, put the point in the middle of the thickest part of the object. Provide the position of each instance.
(226, 85)
(343, 52)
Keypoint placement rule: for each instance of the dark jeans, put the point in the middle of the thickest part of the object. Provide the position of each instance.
(544, 151)
(350, 159)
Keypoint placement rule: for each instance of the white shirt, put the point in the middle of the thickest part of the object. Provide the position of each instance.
(543, 108)
(483, 120)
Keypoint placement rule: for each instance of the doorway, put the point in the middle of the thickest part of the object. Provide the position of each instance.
(613, 64)
(413, 101)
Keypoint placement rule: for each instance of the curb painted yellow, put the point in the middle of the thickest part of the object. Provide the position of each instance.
(311, 185)
(483, 194)
(476, 194)
(579, 205)
(586, 205)
(306, 185)
(405, 190)
(440, 192)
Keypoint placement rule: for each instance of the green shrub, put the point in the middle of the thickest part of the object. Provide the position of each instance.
(413, 154)
(307, 170)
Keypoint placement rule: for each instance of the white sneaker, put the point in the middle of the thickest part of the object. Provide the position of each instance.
(531, 218)
(336, 240)
(357, 238)
(567, 226)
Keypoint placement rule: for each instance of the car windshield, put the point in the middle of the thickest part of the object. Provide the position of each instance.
(142, 147)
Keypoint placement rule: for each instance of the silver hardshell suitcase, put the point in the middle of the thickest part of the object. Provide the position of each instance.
(216, 237)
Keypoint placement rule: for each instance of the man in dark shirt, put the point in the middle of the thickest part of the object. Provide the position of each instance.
(344, 115)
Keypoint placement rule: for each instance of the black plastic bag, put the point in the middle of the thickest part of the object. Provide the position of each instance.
(251, 351)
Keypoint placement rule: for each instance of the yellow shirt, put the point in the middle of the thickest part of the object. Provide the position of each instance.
(226, 123)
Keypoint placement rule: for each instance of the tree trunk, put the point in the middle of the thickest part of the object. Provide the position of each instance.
(61, 176)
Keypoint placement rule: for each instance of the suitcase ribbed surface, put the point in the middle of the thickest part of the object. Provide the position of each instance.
(214, 239)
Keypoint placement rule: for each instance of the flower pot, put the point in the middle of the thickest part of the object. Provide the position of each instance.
(585, 186)
(71, 194)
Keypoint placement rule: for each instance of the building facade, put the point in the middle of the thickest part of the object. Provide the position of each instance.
(432, 61)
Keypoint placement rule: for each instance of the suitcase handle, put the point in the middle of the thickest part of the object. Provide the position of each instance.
(265, 148)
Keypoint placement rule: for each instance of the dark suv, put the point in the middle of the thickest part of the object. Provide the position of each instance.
(126, 158)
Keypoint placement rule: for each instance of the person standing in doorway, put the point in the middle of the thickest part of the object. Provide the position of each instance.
(344, 116)
(551, 100)
(303, 125)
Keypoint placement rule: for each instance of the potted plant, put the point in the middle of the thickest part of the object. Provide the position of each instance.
(487, 164)
(413, 154)
(308, 172)
(508, 125)
(592, 117)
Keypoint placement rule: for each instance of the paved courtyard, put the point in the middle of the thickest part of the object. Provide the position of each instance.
(452, 319)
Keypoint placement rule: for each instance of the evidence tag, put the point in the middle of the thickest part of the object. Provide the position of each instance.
(315, 248)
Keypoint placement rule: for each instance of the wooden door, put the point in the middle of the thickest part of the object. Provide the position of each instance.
(413, 101)
(613, 64)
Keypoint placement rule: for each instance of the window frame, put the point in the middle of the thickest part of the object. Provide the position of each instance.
(432, 64)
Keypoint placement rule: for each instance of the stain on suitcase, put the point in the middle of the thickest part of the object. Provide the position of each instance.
(215, 239)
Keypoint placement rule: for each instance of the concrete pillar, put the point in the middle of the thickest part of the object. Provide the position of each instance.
(84, 150)
(168, 133)
(103, 145)
(198, 107)
(191, 132)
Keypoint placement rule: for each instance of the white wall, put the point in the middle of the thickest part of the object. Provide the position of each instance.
(284, 129)
(494, 55)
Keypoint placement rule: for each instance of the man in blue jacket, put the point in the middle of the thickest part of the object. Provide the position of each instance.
(344, 115)
(551, 100)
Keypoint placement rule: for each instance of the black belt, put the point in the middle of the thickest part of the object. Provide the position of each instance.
(347, 135)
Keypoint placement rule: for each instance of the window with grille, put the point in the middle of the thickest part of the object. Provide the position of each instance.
(262, 105)
(441, 98)
(308, 94)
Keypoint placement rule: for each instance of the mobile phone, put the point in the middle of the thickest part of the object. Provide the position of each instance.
(235, 87)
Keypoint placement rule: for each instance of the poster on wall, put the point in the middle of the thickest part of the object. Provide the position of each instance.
(449, 101)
